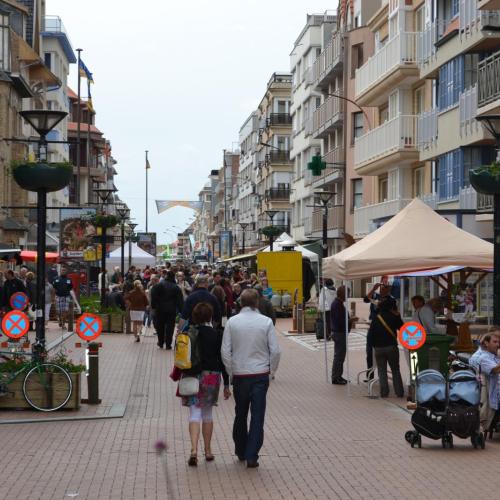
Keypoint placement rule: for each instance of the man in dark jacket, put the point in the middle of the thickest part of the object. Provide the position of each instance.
(166, 302)
(11, 286)
(198, 295)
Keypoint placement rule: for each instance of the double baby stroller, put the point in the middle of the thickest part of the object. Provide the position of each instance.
(447, 409)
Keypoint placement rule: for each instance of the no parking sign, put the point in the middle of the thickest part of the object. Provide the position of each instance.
(88, 327)
(15, 324)
(19, 301)
(412, 335)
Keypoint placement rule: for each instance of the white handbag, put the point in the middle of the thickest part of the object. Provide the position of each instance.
(189, 386)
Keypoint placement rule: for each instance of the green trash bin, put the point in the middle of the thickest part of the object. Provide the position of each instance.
(434, 353)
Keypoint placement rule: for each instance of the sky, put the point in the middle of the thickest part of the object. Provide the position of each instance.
(177, 78)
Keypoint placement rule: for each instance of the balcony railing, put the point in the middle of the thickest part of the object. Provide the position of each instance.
(364, 216)
(484, 203)
(53, 24)
(398, 134)
(472, 19)
(282, 156)
(468, 111)
(335, 155)
(279, 119)
(335, 219)
(327, 115)
(329, 59)
(399, 51)
(427, 128)
(278, 194)
(488, 77)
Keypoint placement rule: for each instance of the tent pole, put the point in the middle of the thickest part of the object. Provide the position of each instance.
(324, 329)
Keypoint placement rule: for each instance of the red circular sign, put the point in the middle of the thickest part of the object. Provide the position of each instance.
(19, 301)
(88, 327)
(412, 335)
(15, 324)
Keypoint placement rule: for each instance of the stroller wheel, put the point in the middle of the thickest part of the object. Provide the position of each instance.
(450, 441)
(419, 441)
(474, 440)
(409, 436)
(482, 440)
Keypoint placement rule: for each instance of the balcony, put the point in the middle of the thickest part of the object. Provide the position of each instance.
(328, 62)
(335, 219)
(488, 4)
(365, 218)
(394, 141)
(395, 64)
(281, 156)
(327, 117)
(488, 76)
(54, 27)
(427, 129)
(279, 119)
(332, 173)
(484, 203)
(278, 194)
(468, 110)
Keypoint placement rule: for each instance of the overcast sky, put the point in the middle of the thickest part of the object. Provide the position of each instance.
(178, 78)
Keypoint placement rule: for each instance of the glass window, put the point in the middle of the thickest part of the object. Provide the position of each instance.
(420, 18)
(450, 83)
(418, 182)
(450, 167)
(357, 193)
(419, 101)
(357, 124)
(48, 60)
(470, 70)
(382, 189)
(393, 185)
(4, 41)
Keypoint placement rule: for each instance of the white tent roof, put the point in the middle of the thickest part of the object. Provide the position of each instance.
(298, 248)
(415, 239)
(140, 257)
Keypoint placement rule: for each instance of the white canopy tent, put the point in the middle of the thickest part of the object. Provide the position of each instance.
(285, 238)
(140, 258)
(416, 239)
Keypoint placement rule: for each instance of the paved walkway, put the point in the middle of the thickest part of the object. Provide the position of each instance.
(319, 443)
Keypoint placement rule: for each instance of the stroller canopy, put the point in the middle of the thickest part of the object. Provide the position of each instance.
(431, 386)
(464, 386)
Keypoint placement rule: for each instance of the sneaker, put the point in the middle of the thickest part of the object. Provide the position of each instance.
(339, 381)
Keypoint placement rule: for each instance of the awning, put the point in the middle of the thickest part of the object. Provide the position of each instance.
(21, 85)
(30, 256)
(245, 256)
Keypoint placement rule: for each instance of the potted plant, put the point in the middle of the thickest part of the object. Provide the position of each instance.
(103, 220)
(116, 318)
(92, 305)
(36, 176)
(270, 231)
(310, 316)
(14, 399)
(486, 179)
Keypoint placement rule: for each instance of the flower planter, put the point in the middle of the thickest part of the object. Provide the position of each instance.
(42, 176)
(485, 181)
(15, 399)
(106, 320)
(116, 323)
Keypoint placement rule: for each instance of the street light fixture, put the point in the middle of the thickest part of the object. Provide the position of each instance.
(492, 124)
(271, 214)
(103, 194)
(130, 231)
(124, 213)
(325, 198)
(243, 226)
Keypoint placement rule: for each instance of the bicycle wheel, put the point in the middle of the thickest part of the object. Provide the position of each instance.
(47, 387)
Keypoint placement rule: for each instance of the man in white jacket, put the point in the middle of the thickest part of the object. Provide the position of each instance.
(250, 352)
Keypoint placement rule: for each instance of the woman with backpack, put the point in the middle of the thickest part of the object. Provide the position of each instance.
(209, 372)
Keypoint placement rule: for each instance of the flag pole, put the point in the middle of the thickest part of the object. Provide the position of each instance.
(78, 133)
(147, 168)
(89, 150)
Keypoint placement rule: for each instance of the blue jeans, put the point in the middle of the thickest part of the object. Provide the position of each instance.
(249, 394)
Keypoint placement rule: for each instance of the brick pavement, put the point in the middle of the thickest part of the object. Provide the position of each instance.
(319, 443)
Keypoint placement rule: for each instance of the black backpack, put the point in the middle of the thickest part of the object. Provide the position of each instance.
(463, 420)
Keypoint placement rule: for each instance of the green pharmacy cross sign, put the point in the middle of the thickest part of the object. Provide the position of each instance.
(316, 165)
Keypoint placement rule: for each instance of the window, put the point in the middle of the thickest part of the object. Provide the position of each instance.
(357, 193)
(470, 70)
(474, 157)
(48, 60)
(418, 182)
(420, 18)
(450, 83)
(450, 174)
(357, 125)
(4, 41)
(382, 189)
(418, 101)
(393, 185)
(356, 58)
(383, 114)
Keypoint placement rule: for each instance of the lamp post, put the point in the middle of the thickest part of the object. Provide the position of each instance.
(43, 121)
(243, 226)
(103, 194)
(325, 197)
(131, 226)
(124, 213)
(271, 214)
(492, 124)
(338, 96)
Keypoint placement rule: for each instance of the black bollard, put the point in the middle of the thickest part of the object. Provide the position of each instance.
(93, 375)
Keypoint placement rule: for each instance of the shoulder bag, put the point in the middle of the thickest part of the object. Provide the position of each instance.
(189, 386)
(386, 326)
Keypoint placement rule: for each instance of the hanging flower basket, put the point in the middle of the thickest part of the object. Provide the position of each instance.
(49, 177)
(270, 231)
(103, 220)
(486, 179)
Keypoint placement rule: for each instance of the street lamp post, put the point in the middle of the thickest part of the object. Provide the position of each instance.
(124, 213)
(103, 194)
(132, 226)
(325, 197)
(43, 121)
(492, 123)
(271, 214)
(243, 226)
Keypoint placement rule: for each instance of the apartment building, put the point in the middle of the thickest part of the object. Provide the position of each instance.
(24, 81)
(305, 100)
(202, 226)
(274, 168)
(245, 196)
